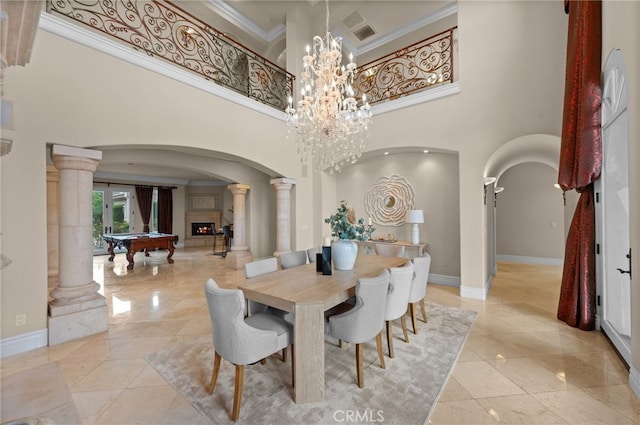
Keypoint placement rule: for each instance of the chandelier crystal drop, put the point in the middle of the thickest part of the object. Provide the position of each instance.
(330, 124)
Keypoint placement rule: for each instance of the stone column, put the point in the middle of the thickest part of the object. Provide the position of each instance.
(239, 254)
(77, 309)
(52, 226)
(283, 214)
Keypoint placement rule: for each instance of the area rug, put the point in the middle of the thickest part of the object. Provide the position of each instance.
(404, 393)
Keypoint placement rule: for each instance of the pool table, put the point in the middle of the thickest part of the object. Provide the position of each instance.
(135, 242)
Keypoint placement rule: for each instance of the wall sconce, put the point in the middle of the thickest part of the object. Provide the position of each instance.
(564, 196)
(488, 181)
(496, 190)
(415, 217)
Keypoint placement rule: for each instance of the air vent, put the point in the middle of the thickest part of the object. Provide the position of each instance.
(352, 20)
(364, 32)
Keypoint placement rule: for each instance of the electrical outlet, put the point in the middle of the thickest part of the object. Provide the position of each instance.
(21, 319)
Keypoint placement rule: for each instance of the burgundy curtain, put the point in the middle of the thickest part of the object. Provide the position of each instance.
(165, 210)
(580, 159)
(145, 199)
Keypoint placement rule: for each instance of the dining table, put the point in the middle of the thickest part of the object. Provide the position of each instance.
(308, 294)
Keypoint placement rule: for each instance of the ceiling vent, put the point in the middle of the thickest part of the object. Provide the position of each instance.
(364, 32)
(353, 20)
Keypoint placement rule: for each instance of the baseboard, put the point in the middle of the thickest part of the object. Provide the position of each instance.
(477, 293)
(634, 380)
(441, 279)
(23, 342)
(530, 260)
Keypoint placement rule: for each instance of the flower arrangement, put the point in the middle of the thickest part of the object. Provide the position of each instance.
(344, 226)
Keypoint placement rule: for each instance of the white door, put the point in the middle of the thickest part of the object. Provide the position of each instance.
(612, 209)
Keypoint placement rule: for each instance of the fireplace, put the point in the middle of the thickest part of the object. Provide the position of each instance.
(202, 229)
(199, 227)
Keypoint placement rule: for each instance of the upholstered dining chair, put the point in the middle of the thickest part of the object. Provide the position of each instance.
(257, 268)
(293, 259)
(242, 341)
(365, 320)
(389, 249)
(398, 300)
(419, 288)
(311, 253)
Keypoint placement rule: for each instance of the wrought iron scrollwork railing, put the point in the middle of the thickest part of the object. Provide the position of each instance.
(163, 30)
(409, 70)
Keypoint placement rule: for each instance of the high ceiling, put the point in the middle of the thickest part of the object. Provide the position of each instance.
(260, 25)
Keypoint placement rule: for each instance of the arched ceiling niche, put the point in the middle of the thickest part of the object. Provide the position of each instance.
(542, 148)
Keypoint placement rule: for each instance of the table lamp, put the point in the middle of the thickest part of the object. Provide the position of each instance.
(415, 217)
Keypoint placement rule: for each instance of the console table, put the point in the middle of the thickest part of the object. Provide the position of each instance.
(368, 247)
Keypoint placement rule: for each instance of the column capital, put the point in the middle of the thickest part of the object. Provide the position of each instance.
(283, 181)
(72, 158)
(53, 174)
(240, 188)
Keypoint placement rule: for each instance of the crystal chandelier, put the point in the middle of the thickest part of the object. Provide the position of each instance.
(328, 122)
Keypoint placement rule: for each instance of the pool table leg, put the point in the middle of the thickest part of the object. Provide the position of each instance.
(130, 254)
(170, 249)
(111, 253)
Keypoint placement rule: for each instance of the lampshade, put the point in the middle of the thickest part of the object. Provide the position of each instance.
(415, 216)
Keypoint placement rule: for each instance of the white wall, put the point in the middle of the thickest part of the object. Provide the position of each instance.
(530, 213)
(434, 178)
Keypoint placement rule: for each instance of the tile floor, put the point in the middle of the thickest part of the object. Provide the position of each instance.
(519, 366)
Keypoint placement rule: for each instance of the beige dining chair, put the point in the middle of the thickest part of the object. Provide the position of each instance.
(365, 320)
(242, 341)
(257, 268)
(398, 300)
(389, 249)
(311, 253)
(419, 288)
(293, 259)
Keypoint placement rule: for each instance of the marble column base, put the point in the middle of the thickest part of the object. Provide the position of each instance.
(74, 321)
(237, 259)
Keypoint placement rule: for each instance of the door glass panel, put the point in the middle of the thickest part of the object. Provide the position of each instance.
(98, 220)
(121, 211)
(112, 212)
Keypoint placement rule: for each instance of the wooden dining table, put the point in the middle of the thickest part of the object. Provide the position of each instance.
(308, 294)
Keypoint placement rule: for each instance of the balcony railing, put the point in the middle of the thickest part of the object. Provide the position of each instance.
(409, 70)
(163, 30)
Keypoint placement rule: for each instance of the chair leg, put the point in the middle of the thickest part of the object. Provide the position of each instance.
(284, 355)
(293, 367)
(340, 344)
(390, 338)
(403, 321)
(359, 372)
(424, 311)
(379, 347)
(412, 311)
(214, 375)
(237, 395)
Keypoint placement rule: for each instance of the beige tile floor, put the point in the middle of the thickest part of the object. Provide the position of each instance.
(519, 366)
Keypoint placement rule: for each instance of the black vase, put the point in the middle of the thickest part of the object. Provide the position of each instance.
(326, 260)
